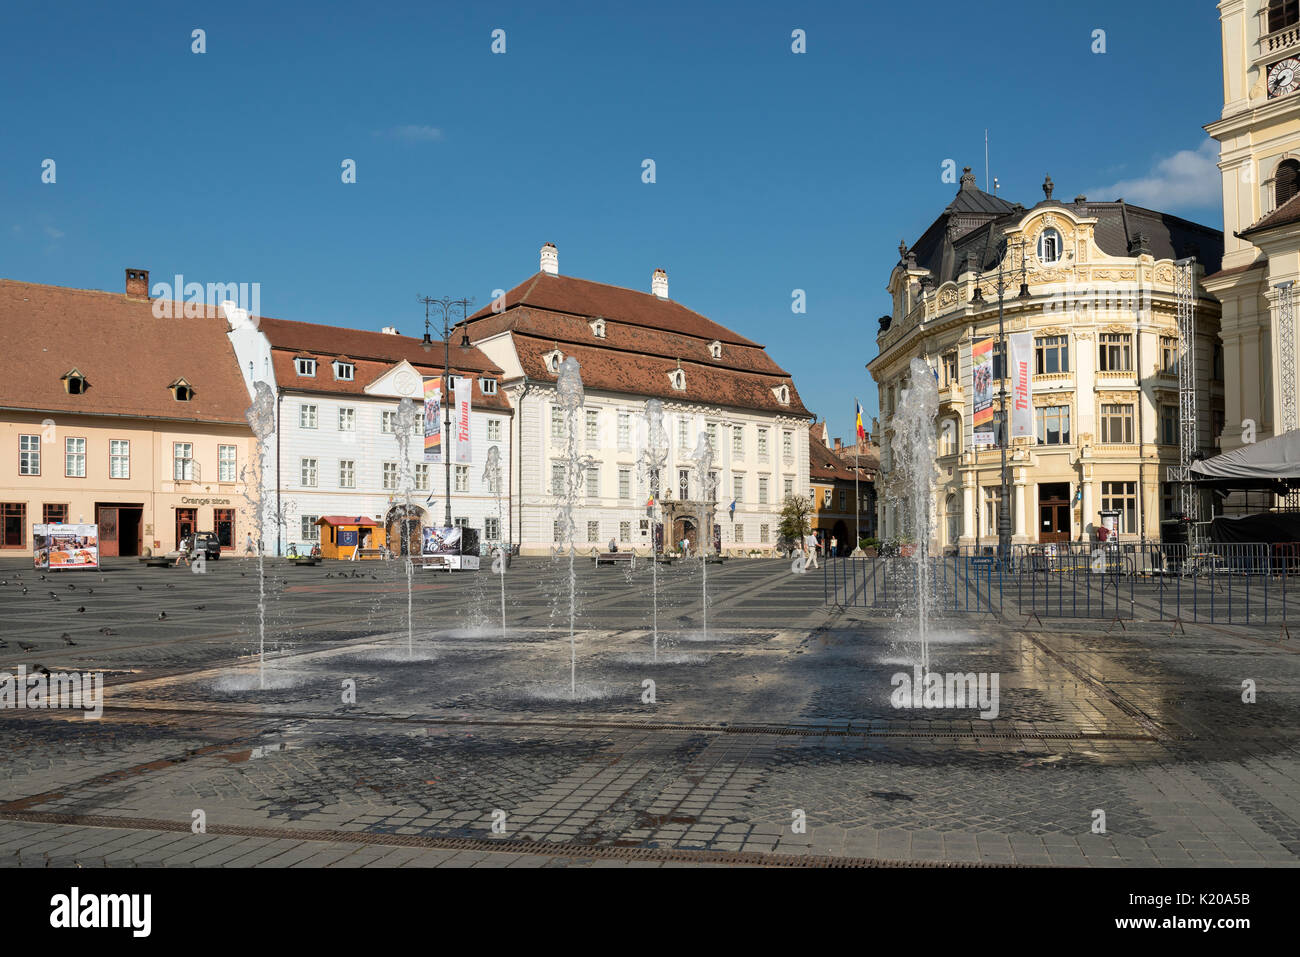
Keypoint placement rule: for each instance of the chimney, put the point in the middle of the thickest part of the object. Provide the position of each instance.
(659, 283)
(550, 259)
(839, 445)
(137, 283)
(389, 330)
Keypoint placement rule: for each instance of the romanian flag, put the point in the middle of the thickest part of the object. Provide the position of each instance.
(862, 432)
(650, 503)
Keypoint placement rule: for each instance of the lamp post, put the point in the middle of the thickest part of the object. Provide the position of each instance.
(1004, 509)
(445, 306)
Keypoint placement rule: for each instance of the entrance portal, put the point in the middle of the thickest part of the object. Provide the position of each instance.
(1054, 512)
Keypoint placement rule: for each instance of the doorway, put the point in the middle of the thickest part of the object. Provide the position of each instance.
(223, 520)
(106, 518)
(185, 519)
(119, 527)
(1054, 512)
(684, 528)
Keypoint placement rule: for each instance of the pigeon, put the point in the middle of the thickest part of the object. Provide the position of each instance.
(40, 669)
(26, 647)
(71, 587)
(162, 615)
(67, 639)
(54, 597)
(24, 590)
(42, 578)
(81, 609)
(200, 607)
(3, 643)
(106, 631)
(139, 588)
(90, 591)
(170, 585)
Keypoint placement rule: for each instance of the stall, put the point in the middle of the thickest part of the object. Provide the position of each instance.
(351, 536)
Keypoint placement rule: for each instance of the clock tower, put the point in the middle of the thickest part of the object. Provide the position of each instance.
(1259, 156)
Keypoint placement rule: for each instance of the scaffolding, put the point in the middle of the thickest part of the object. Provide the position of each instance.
(1188, 425)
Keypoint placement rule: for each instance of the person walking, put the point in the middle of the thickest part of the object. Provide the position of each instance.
(835, 546)
(249, 547)
(810, 549)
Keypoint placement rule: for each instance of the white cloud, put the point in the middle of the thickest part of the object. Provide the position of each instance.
(415, 132)
(1189, 179)
(53, 233)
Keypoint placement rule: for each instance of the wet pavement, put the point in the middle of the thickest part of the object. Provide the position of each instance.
(772, 738)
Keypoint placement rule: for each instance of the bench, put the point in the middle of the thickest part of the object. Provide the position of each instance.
(615, 558)
(364, 553)
(157, 561)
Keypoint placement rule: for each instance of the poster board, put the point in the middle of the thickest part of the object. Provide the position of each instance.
(60, 546)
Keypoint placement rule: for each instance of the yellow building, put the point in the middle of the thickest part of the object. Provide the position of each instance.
(1259, 136)
(111, 415)
(1094, 282)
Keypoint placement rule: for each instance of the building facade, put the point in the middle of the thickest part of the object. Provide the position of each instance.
(104, 419)
(842, 488)
(633, 346)
(1259, 136)
(1095, 284)
(335, 449)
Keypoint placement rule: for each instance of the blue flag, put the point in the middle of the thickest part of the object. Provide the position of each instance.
(732, 509)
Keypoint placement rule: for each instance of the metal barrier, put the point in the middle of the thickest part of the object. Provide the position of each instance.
(1231, 583)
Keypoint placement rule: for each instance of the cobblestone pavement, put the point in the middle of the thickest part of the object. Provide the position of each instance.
(771, 737)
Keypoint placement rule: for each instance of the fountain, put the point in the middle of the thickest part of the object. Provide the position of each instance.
(915, 445)
(703, 458)
(568, 389)
(407, 421)
(492, 477)
(650, 466)
(261, 418)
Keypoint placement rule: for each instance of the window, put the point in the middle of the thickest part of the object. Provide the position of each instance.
(54, 514)
(557, 478)
(1121, 497)
(593, 427)
(422, 477)
(1168, 425)
(654, 483)
(711, 429)
(306, 416)
(738, 488)
(308, 529)
(593, 531)
(1051, 355)
(74, 458)
(949, 364)
(739, 533)
(826, 498)
(390, 476)
(1053, 424)
(488, 386)
(762, 445)
(557, 422)
(678, 378)
(344, 371)
(13, 531)
(556, 536)
(992, 505)
(783, 395)
(494, 430)
(1115, 352)
(624, 430)
(460, 521)
(1049, 246)
(948, 437)
(305, 367)
(844, 501)
(1117, 424)
(347, 420)
(1168, 355)
(625, 484)
(1216, 363)
(762, 490)
(75, 383)
(684, 483)
(715, 349)
(226, 463)
(591, 478)
(307, 473)
(1282, 14)
(29, 455)
(347, 473)
(387, 421)
(492, 528)
(787, 488)
(625, 531)
(462, 478)
(1168, 500)
(182, 391)
(787, 445)
(683, 433)
(763, 532)
(738, 441)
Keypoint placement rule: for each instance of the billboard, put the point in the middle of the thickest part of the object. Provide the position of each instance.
(1022, 401)
(66, 546)
(464, 395)
(457, 540)
(981, 361)
(432, 420)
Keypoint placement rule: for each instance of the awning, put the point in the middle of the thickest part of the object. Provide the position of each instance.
(1273, 464)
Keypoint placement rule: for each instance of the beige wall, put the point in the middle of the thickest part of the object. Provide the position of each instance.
(150, 484)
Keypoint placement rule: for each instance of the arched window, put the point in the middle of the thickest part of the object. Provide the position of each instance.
(1286, 181)
(953, 508)
(1049, 246)
(1282, 13)
(948, 437)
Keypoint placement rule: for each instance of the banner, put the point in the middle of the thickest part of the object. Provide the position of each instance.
(464, 396)
(66, 546)
(432, 420)
(981, 361)
(1022, 400)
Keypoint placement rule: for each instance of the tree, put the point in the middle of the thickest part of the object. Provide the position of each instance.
(796, 514)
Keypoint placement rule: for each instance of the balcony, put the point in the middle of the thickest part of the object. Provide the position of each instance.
(1275, 44)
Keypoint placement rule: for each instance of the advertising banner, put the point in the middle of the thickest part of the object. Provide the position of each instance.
(1022, 400)
(464, 396)
(432, 420)
(981, 362)
(66, 546)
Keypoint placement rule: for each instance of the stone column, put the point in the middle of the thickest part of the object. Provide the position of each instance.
(1018, 514)
(968, 506)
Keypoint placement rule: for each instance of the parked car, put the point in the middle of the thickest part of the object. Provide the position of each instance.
(207, 543)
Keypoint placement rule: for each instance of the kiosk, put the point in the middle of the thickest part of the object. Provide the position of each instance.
(343, 536)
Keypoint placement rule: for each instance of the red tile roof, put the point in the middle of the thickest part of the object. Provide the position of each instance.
(1284, 215)
(128, 356)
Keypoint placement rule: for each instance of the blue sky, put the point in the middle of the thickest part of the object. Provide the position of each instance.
(774, 171)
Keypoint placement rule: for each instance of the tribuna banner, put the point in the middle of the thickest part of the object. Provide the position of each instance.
(1022, 400)
(464, 396)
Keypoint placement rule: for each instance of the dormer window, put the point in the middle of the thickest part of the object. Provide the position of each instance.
(182, 391)
(678, 379)
(344, 371)
(715, 349)
(598, 328)
(74, 383)
(304, 366)
(782, 393)
(488, 386)
(1049, 246)
(553, 360)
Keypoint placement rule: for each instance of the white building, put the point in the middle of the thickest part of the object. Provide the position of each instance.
(335, 450)
(632, 346)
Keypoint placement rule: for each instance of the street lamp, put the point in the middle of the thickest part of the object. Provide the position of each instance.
(445, 306)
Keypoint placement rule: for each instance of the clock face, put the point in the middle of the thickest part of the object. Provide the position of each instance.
(1284, 77)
